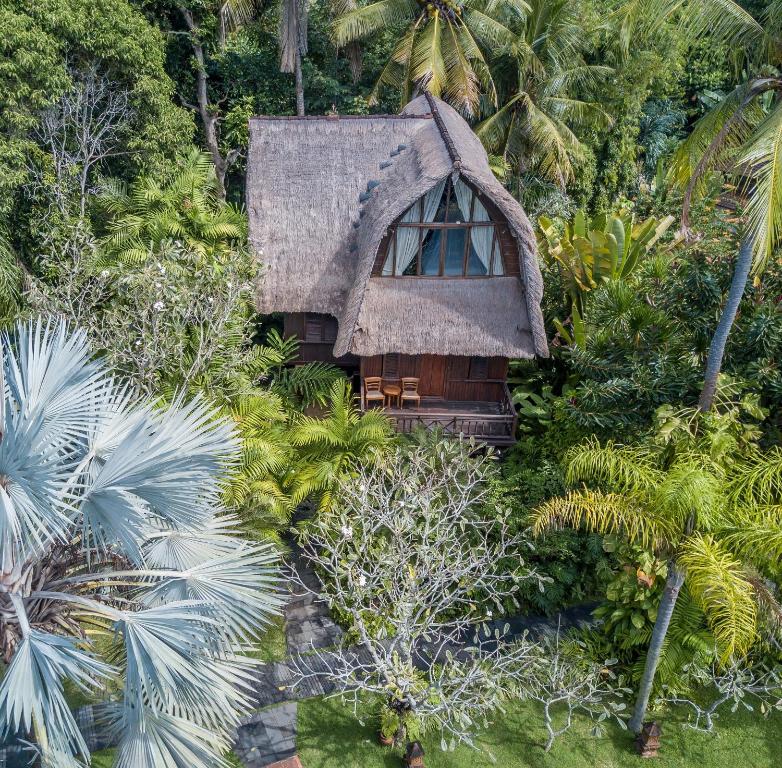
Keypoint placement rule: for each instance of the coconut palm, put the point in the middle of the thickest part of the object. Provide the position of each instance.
(543, 104)
(712, 526)
(743, 134)
(444, 45)
(118, 569)
(187, 208)
(331, 445)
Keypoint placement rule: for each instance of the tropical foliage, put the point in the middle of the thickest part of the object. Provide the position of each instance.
(121, 572)
(546, 94)
(123, 143)
(700, 499)
(444, 45)
(186, 210)
(334, 445)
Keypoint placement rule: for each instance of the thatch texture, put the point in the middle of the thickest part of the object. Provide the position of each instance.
(322, 194)
(304, 180)
(473, 317)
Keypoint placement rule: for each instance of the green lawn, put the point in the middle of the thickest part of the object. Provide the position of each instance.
(329, 737)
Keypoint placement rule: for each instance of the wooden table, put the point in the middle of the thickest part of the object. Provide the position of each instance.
(391, 393)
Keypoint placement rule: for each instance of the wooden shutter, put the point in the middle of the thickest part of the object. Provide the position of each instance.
(479, 368)
(313, 327)
(329, 329)
(391, 366)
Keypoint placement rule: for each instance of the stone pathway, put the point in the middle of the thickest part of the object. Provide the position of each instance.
(267, 737)
(308, 625)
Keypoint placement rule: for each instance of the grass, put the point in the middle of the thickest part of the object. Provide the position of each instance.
(271, 647)
(329, 737)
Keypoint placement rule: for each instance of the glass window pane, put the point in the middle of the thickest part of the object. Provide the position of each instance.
(474, 265)
(430, 254)
(454, 213)
(441, 208)
(454, 251)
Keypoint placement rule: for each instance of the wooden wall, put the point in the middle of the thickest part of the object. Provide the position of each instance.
(317, 334)
(447, 377)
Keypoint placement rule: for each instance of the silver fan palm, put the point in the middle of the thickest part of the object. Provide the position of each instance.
(118, 569)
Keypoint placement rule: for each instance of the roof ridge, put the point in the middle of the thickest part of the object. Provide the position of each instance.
(446, 137)
(337, 118)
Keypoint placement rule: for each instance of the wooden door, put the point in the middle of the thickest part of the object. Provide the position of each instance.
(432, 375)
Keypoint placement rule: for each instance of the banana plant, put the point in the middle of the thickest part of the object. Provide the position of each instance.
(591, 251)
(608, 246)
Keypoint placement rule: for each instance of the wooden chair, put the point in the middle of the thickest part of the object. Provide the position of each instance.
(373, 390)
(410, 391)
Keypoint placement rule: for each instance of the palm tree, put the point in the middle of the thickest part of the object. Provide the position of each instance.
(542, 105)
(712, 526)
(444, 46)
(744, 134)
(118, 569)
(332, 445)
(187, 208)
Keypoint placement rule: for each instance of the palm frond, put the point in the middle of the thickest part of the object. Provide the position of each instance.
(606, 513)
(372, 18)
(757, 536)
(763, 155)
(427, 66)
(716, 579)
(758, 480)
(40, 665)
(625, 468)
(240, 588)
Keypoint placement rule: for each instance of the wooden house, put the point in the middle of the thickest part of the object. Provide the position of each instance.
(393, 251)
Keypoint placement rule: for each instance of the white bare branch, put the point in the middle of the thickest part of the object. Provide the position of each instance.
(414, 559)
(738, 684)
(80, 131)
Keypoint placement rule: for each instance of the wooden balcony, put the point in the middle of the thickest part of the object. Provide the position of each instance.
(493, 423)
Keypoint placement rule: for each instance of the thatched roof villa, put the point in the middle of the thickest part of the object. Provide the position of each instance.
(393, 250)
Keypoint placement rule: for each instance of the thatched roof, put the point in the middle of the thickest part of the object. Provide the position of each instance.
(321, 194)
(394, 309)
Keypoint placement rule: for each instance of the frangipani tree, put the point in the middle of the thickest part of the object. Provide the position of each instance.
(411, 557)
(715, 520)
(117, 566)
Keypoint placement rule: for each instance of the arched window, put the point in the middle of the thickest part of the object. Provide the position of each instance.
(448, 232)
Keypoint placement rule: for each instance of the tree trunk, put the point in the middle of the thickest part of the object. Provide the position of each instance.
(668, 602)
(299, 86)
(209, 119)
(720, 338)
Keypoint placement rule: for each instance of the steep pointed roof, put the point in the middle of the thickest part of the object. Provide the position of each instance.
(321, 195)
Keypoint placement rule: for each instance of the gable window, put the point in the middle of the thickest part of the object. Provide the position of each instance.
(448, 232)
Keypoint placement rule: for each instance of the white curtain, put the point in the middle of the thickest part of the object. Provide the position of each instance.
(407, 237)
(481, 238)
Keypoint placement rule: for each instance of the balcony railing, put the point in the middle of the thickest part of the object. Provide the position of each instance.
(493, 423)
